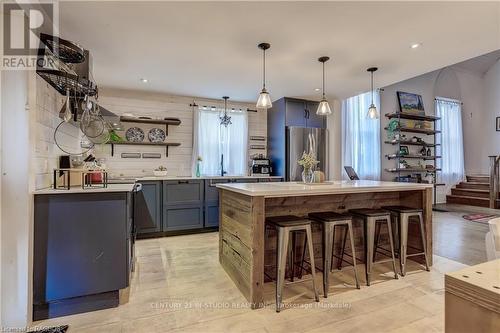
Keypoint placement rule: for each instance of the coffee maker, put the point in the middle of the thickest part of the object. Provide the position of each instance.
(261, 166)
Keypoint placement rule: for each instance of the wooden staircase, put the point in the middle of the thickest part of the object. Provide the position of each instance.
(474, 192)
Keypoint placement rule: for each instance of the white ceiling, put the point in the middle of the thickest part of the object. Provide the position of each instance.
(209, 49)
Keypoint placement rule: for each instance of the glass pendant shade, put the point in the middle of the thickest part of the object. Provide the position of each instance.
(264, 101)
(324, 108)
(372, 112)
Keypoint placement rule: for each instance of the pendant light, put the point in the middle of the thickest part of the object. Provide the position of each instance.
(324, 107)
(264, 101)
(372, 110)
(225, 120)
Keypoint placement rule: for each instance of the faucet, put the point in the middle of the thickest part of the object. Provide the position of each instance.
(222, 172)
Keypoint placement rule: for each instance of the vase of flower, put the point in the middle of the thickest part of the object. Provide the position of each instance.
(198, 166)
(307, 175)
(308, 162)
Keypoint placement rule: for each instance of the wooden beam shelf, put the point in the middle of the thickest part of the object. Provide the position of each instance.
(166, 122)
(411, 143)
(156, 144)
(412, 170)
(415, 130)
(422, 157)
(399, 115)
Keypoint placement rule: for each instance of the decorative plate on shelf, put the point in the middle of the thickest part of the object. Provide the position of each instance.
(134, 134)
(156, 135)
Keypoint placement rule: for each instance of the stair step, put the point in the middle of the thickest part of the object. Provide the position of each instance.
(478, 179)
(474, 185)
(466, 200)
(468, 192)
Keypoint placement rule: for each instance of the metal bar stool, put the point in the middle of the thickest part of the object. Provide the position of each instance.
(285, 225)
(329, 221)
(370, 218)
(402, 215)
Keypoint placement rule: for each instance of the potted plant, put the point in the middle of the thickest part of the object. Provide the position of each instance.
(160, 171)
(308, 162)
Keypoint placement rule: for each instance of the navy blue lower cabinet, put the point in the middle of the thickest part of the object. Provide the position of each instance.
(212, 202)
(148, 208)
(81, 255)
(183, 202)
(182, 217)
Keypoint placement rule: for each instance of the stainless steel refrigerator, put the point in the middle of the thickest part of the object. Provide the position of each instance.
(303, 139)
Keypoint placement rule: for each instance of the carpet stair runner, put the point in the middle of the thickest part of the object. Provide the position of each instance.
(474, 192)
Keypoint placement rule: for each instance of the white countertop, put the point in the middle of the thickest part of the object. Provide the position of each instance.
(78, 189)
(152, 178)
(289, 189)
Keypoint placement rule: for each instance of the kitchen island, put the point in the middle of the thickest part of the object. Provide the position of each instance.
(244, 251)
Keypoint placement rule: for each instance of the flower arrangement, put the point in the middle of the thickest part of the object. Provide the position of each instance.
(198, 166)
(160, 171)
(308, 161)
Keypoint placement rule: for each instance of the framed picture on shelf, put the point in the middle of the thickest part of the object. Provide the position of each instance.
(404, 151)
(410, 103)
(498, 124)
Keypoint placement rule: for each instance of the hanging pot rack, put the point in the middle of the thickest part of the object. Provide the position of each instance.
(63, 77)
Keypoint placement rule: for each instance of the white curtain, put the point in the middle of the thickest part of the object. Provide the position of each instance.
(451, 147)
(361, 136)
(211, 140)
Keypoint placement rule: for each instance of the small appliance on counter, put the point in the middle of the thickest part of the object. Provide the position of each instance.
(261, 166)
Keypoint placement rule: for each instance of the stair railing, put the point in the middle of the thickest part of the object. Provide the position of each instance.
(494, 180)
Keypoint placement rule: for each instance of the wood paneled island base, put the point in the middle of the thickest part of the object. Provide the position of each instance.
(244, 252)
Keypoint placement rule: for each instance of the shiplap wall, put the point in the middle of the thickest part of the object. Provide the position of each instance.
(159, 106)
(46, 153)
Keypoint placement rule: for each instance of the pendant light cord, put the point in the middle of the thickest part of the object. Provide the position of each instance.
(264, 69)
(323, 80)
(372, 87)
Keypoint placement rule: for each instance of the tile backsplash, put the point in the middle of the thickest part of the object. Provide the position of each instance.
(46, 153)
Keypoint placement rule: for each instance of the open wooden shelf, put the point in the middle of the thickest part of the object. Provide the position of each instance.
(156, 144)
(171, 122)
(412, 170)
(175, 122)
(400, 115)
(411, 143)
(416, 130)
(422, 157)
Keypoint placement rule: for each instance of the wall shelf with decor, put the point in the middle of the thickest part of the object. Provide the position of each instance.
(411, 119)
(395, 156)
(416, 130)
(166, 122)
(157, 144)
(146, 120)
(411, 143)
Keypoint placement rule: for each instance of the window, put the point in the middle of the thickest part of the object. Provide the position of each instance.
(361, 136)
(451, 147)
(212, 142)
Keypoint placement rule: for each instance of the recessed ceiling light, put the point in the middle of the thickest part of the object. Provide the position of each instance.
(415, 45)
(144, 80)
(317, 89)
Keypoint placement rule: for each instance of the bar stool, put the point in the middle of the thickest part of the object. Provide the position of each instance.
(285, 225)
(371, 217)
(402, 215)
(329, 221)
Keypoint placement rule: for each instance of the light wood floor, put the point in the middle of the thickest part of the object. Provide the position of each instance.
(179, 286)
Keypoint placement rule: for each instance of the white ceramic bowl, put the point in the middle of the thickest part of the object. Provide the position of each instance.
(159, 173)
